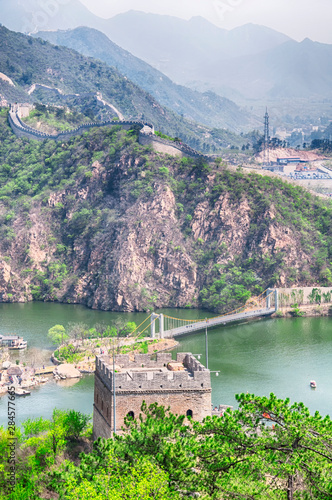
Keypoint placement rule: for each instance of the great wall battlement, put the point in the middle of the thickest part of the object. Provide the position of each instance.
(20, 129)
(146, 375)
(147, 136)
(184, 386)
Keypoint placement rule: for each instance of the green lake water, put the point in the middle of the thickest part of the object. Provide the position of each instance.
(276, 355)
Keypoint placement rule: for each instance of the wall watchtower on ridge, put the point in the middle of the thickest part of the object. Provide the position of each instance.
(184, 386)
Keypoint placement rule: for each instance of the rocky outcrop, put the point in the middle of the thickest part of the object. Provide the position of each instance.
(66, 371)
(131, 234)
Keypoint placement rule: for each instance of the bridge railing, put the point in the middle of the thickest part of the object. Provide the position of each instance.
(211, 322)
(266, 303)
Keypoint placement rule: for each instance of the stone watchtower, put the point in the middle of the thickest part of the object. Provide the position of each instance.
(183, 385)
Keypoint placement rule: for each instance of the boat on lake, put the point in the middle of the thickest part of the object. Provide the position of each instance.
(13, 342)
(21, 392)
(313, 384)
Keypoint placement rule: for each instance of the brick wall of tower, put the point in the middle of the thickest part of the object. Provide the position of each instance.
(180, 392)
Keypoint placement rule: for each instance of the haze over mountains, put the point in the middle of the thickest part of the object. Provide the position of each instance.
(27, 61)
(290, 70)
(179, 47)
(251, 65)
(207, 108)
(69, 77)
(34, 15)
(251, 62)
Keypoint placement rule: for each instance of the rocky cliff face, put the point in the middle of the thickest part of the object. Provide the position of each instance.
(134, 230)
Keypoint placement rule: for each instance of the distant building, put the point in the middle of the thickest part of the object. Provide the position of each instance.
(285, 161)
(300, 167)
(184, 386)
(291, 159)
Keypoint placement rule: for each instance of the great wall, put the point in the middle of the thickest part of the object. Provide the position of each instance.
(147, 135)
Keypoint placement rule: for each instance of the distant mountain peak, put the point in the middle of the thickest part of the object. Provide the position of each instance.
(307, 40)
(253, 28)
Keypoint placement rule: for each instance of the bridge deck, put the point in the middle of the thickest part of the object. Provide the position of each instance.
(222, 320)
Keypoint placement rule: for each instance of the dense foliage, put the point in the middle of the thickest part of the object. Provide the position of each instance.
(55, 119)
(324, 144)
(267, 449)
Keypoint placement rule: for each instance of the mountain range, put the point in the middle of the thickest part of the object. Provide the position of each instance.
(207, 108)
(249, 62)
(251, 65)
(28, 16)
(290, 70)
(179, 48)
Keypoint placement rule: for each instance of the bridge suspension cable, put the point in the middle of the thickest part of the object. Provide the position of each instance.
(249, 306)
(172, 323)
(137, 327)
(147, 326)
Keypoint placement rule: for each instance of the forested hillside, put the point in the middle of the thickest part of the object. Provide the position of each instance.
(105, 222)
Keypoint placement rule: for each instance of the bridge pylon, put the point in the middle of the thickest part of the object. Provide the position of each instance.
(153, 321)
(153, 325)
(272, 293)
(161, 326)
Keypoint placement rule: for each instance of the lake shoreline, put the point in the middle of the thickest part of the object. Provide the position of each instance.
(307, 311)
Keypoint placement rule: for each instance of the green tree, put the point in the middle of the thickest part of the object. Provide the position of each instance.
(165, 437)
(265, 448)
(58, 334)
(127, 329)
(75, 423)
(142, 481)
(101, 328)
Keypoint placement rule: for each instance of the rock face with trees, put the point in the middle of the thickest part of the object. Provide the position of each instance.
(105, 222)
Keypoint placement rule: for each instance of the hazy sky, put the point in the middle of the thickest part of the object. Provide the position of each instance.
(296, 18)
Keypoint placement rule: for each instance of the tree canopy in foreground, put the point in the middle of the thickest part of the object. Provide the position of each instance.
(266, 449)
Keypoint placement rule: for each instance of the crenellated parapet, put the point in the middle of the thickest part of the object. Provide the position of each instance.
(146, 374)
(183, 385)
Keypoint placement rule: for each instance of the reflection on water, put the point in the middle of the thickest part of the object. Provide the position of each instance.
(279, 355)
(69, 382)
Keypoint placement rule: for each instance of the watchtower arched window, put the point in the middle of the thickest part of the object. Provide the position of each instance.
(189, 413)
(131, 414)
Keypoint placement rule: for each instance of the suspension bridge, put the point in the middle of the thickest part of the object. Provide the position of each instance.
(164, 326)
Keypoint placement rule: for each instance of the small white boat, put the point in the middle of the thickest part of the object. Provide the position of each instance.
(313, 384)
(22, 344)
(42, 380)
(22, 392)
